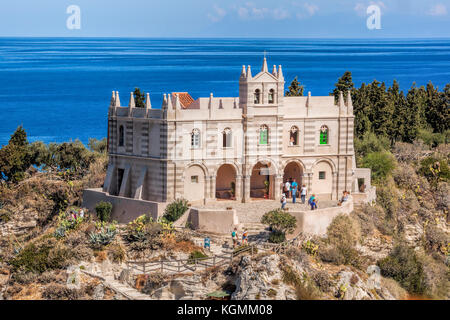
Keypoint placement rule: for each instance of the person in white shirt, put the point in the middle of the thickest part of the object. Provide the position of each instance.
(287, 188)
(303, 192)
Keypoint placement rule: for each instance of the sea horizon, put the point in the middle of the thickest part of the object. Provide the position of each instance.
(59, 88)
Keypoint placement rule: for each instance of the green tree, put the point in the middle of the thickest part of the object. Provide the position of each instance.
(139, 98)
(176, 209)
(344, 84)
(281, 222)
(361, 108)
(437, 110)
(415, 119)
(397, 100)
(15, 157)
(96, 145)
(103, 210)
(295, 89)
(381, 163)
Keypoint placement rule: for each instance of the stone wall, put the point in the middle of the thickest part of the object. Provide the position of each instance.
(316, 222)
(209, 220)
(124, 209)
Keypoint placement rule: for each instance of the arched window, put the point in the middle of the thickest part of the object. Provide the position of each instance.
(121, 136)
(195, 138)
(264, 134)
(324, 135)
(257, 96)
(226, 135)
(293, 136)
(271, 96)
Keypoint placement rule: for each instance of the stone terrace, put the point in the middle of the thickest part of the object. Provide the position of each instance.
(252, 212)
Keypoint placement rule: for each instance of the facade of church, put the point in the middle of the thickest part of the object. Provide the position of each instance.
(239, 148)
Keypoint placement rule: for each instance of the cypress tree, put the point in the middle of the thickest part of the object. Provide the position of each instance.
(295, 89)
(398, 101)
(139, 98)
(436, 113)
(344, 84)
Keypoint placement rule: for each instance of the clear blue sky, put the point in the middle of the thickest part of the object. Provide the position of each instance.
(226, 18)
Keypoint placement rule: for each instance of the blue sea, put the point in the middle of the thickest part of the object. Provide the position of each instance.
(59, 88)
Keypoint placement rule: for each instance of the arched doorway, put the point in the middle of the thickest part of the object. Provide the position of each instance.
(262, 181)
(194, 183)
(293, 170)
(226, 182)
(322, 179)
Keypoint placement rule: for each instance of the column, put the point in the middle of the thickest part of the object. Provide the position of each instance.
(246, 188)
(239, 186)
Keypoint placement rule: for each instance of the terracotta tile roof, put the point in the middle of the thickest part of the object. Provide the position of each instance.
(185, 99)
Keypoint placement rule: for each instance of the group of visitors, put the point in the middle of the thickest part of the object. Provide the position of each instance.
(235, 237)
(290, 189)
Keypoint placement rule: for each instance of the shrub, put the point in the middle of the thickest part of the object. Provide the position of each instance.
(195, 255)
(305, 288)
(381, 163)
(343, 230)
(323, 281)
(277, 237)
(409, 152)
(56, 291)
(280, 222)
(435, 170)
(435, 239)
(39, 258)
(271, 293)
(176, 209)
(403, 265)
(103, 210)
(387, 198)
(370, 143)
(431, 139)
(103, 235)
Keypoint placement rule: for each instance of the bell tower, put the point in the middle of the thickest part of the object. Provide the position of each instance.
(264, 90)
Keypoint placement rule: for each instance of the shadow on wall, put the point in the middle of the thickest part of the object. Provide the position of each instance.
(124, 209)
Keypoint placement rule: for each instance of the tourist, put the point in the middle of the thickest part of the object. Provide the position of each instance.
(303, 194)
(313, 202)
(283, 201)
(207, 243)
(294, 187)
(234, 236)
(245, 237)
(344, 198)
(287, 187)
(292, 141)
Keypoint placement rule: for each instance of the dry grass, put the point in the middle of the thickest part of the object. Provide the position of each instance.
(29, 292)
